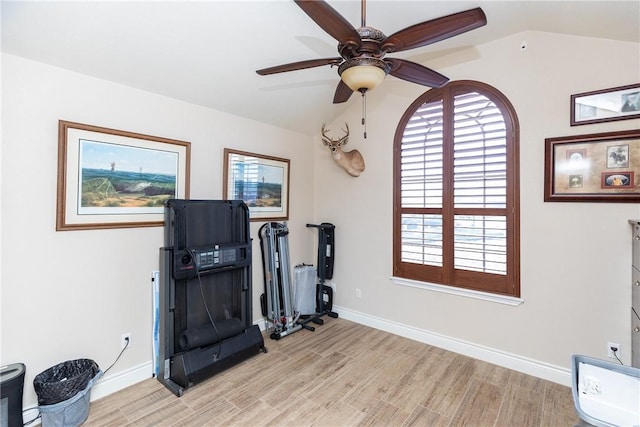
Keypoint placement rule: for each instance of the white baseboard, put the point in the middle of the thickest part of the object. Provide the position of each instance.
(116, 382)
(497, 357)
(111, 383)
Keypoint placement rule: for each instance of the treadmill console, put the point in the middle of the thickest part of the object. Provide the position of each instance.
(190, 262)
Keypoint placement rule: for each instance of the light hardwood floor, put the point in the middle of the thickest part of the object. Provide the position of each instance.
(346, 374)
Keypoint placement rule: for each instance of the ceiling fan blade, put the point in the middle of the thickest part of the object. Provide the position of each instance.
(300, 65)
(330, 21)
(434, 30)
(343, 93)
(415, 73)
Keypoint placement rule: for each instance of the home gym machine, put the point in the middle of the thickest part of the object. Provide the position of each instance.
(326, 255)
(277, 305)
(285, 317)
(205, 309)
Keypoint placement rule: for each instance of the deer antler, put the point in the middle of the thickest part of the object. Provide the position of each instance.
(326, 140)
(344, 139)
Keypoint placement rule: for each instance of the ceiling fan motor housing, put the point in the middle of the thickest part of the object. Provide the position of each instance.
(370, 39)
(367, 56)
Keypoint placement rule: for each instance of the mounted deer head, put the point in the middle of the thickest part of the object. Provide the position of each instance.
(350, 161)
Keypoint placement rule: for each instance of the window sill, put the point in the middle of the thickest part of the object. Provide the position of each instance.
(484, 296)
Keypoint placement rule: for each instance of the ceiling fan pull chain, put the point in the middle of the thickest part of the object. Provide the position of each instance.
(364, 112)
(363, 13)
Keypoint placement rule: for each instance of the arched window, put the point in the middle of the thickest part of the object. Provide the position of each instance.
(456, 190)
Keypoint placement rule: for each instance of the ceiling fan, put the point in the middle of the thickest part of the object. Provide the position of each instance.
(362, 64)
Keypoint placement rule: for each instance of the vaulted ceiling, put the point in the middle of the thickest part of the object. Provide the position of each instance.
(206, 52)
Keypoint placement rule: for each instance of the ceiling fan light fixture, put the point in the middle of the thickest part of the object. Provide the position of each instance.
(363, 73)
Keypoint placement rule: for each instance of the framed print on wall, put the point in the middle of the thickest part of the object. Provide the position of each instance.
(606, 105)
(262, 182)
(109, 178)
(602, 167)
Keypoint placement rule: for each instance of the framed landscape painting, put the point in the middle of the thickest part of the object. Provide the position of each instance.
(109, 178)
(262, 182)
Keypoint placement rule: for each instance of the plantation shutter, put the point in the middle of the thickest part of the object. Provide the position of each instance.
(452, 194)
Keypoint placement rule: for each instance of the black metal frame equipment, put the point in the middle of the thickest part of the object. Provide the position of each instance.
(205, 309)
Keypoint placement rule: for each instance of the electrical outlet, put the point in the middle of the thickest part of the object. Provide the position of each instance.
(358, 293)
(610, 351)
(123, 340)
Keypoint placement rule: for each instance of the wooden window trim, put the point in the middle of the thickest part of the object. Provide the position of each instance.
(508, 284)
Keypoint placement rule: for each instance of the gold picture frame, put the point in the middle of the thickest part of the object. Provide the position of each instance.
(262, 182)
(110, 178)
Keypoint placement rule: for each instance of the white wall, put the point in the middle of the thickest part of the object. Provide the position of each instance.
(71, 294)
(575, 260)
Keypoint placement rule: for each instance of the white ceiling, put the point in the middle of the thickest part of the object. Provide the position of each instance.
(206, 52)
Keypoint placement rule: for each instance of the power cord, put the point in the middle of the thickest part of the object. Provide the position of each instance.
(615, 353)
(33, 408)
(121, 351)
(204, 302)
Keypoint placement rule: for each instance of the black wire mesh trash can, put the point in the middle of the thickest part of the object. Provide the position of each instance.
(64, 392)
